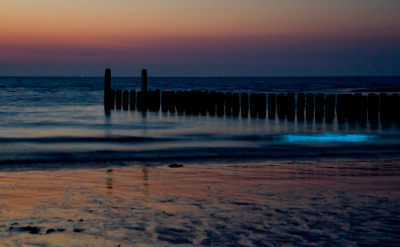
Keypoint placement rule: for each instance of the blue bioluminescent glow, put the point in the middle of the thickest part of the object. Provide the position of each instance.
(328, 137)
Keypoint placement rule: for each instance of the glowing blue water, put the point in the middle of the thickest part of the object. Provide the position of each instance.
(328, 137)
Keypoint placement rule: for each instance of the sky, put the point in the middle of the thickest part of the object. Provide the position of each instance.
(200, 37)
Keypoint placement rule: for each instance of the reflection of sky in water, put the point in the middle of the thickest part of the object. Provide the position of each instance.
(327, 137)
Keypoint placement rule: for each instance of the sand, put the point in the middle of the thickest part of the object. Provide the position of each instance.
(310, 203)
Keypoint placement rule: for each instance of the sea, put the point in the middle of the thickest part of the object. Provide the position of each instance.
(62, 119)
(72, 174)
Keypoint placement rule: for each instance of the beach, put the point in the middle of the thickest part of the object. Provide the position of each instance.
(273, 203)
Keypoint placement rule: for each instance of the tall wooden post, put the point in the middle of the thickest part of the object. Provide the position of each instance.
(107, 88)
(144, 80)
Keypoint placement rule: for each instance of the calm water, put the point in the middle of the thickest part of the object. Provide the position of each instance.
(48, 120)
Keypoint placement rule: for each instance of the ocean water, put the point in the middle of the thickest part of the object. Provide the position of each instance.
(72, 175)
(52, 120)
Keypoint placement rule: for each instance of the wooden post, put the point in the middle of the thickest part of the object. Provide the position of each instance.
(330, 107)
(154, 100)
(290, 106)
(244, 99)
(133, 100)
(164, 101)
(125, 100)
(220, 104)
(384, 108)
(157, 100)
(191, 102)
(301, 102)
(395, 109)
(111, 99)
(186, 102)
(358, 105)
(351, 108)
(262, 105)
(142, 101)
(211, 105)
(253, 105)
(235, 104)
(373, 108)
(179, 102)
(310, 106)
(205, 102)
(281, 104)
(118, 97)
(228, 104)
(144, 80)
(271, 105)
(362, 109)
(107, 88)
(319, 106)
(171, 105)
(341, 107)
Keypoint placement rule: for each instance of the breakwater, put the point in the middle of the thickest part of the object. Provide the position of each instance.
(353, 107)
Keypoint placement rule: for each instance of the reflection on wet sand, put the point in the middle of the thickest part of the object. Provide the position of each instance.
(342, 202)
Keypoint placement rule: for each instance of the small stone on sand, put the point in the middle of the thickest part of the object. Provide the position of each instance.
(175, 165)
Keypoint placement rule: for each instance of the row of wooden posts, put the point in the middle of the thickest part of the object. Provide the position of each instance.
(351, 106)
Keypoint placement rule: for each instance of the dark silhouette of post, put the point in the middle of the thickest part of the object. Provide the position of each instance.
(281, 105)
(301, 102)
(144, 80)
(220, 104)
(228, 104)
(118, 97)
(172, 101)
(212, 101)
(362, 109)
(157, 96)
(165, 101)
(235, 104)
(196, 102)
(179, 102)
(150, 98)
(107, 88)
(319, 106)
(186, 102)
(132, 100)
(253, 105)
(310, 106)
(204, 102)
(192, 102)
(341, 107)
(330, 107)
(358, 105)
(141, 101)
(111, 99)
(262, 105)
(373, 108)
(125, 100)
(154, 100)
(290, 106)
(271, 105)
(351, 108)
(384, 108)
(244, 100)
(395, 107)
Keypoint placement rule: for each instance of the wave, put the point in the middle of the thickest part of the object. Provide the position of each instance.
(222, 155)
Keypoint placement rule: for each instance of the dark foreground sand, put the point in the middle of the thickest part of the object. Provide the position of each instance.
(325, 203)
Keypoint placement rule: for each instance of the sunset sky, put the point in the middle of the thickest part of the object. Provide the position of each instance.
(200, 37)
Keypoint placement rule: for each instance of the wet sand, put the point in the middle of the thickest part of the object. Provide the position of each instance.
(318, 203)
